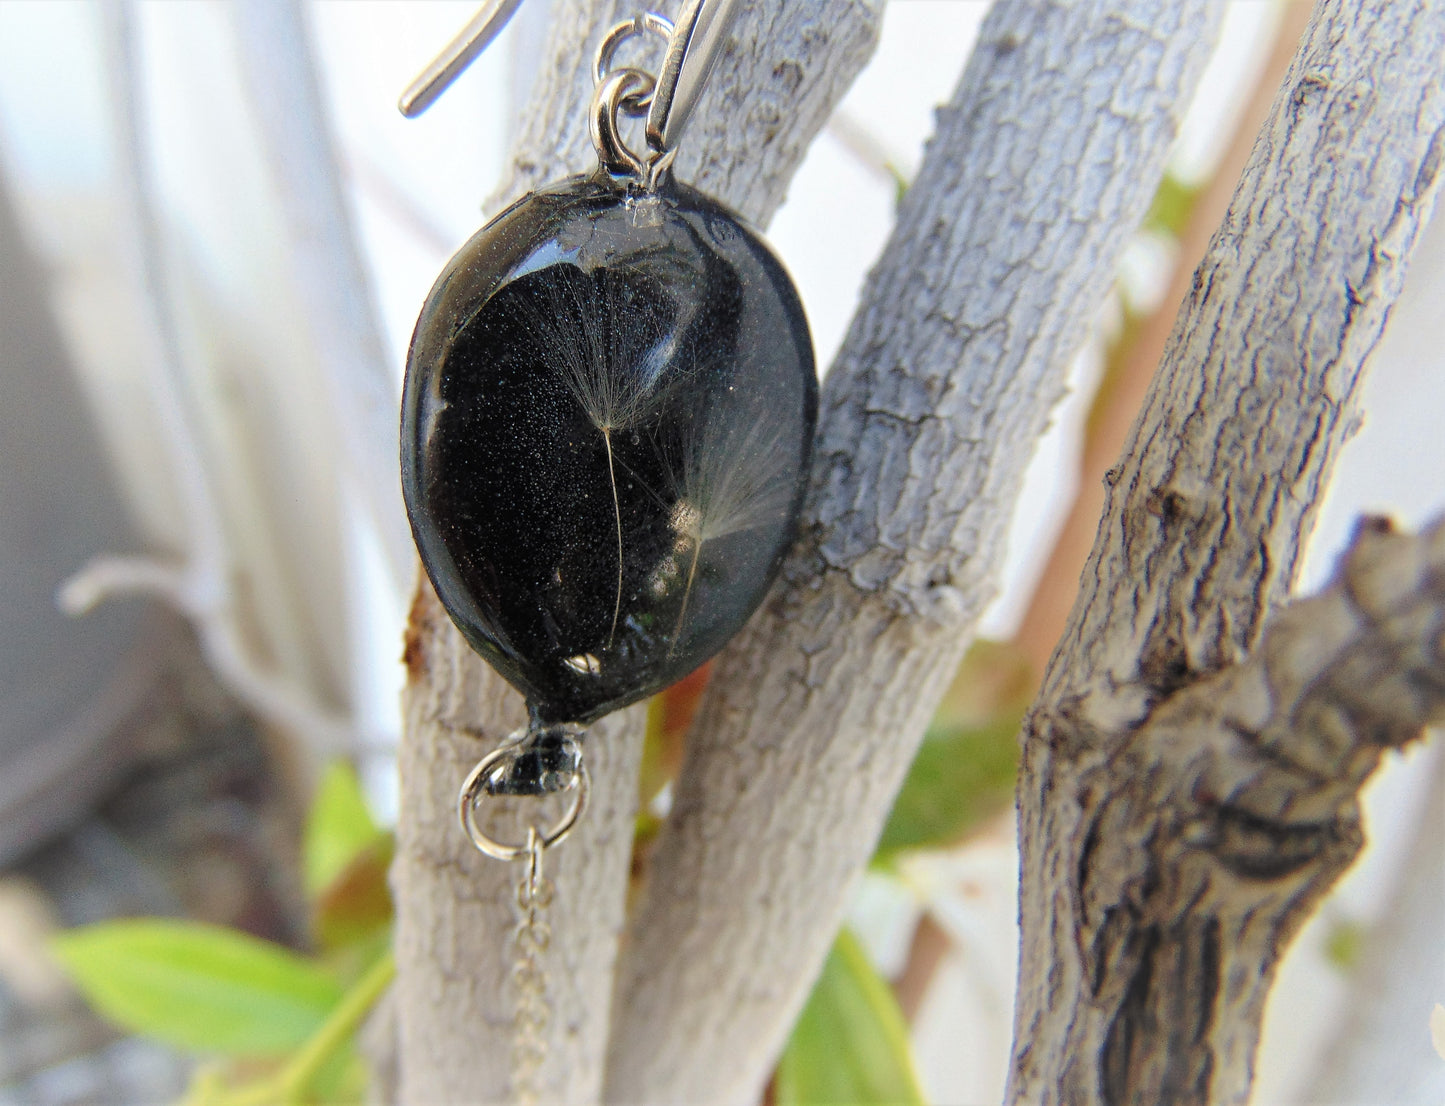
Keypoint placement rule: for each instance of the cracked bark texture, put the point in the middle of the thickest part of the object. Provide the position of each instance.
(1044, 161)
(771, 92)
(1188, 784)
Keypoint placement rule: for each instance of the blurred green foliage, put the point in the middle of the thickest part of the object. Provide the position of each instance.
(850, 1045)
(1171, 207)
(338, 828)
(962, 777)
(278, 1025)
(963, 773)
(1344, 944)
(200, 987)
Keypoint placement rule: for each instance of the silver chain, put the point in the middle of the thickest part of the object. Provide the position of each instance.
(532, 1008)
(532, 936)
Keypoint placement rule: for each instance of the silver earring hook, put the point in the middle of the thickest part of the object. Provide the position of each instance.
(699, 32)
(460, 52)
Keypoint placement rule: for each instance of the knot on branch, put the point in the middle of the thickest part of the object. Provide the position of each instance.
(1209, 828)
(1259, 763)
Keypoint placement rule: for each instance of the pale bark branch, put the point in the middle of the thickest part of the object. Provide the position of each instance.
(1121, 394)
(277, 62)
(1043, 163)
(771, 92)
(1151, 930)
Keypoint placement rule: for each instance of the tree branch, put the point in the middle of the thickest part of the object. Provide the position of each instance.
(773, 89)
(1043, 163)
(278, 64)
(1241, 812)
(1150, 930)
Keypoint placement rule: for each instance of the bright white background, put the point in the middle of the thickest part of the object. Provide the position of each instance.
(417, 190)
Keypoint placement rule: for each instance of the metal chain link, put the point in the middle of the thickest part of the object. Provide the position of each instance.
(532, 1009)
(532, 935)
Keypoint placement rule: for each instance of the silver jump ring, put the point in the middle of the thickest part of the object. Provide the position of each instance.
(637, 103)
(607, 100)
(536, 839)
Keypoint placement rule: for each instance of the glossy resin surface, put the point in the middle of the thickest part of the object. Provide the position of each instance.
(606, 432)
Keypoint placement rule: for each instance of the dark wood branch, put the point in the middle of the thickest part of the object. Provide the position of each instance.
(1239, 813)
(1182, 808)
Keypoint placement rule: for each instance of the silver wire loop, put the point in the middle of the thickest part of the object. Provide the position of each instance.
(635, 104)
(607, 102)
(459, 53)
(472, 791)
(533, 889)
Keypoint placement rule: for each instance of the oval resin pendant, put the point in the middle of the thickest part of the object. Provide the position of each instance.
(606, 432)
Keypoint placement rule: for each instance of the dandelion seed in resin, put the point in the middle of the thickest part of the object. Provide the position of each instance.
(593, 405)
(614, 346)
(728, 479)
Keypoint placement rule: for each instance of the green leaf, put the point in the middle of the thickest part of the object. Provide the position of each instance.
(900, 184)
(963, 774)
(1345, 944)
(338, 828)
(198, 986)
(850, 1046)
(960, 778)
(342, 1079)
(1171, 207)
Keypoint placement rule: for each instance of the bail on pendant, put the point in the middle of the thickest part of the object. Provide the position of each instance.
(633, 92)
(611, 99)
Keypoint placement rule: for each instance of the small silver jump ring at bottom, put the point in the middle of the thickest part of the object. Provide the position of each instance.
(467, 804)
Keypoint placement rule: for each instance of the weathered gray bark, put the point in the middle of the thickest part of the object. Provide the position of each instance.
(1189, 778)
(772, 91)
(455, 912)
(1043, 163)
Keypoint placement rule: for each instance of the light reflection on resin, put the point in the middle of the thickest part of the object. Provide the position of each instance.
(606, 433)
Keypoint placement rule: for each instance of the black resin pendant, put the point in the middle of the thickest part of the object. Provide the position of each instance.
(606, 432)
